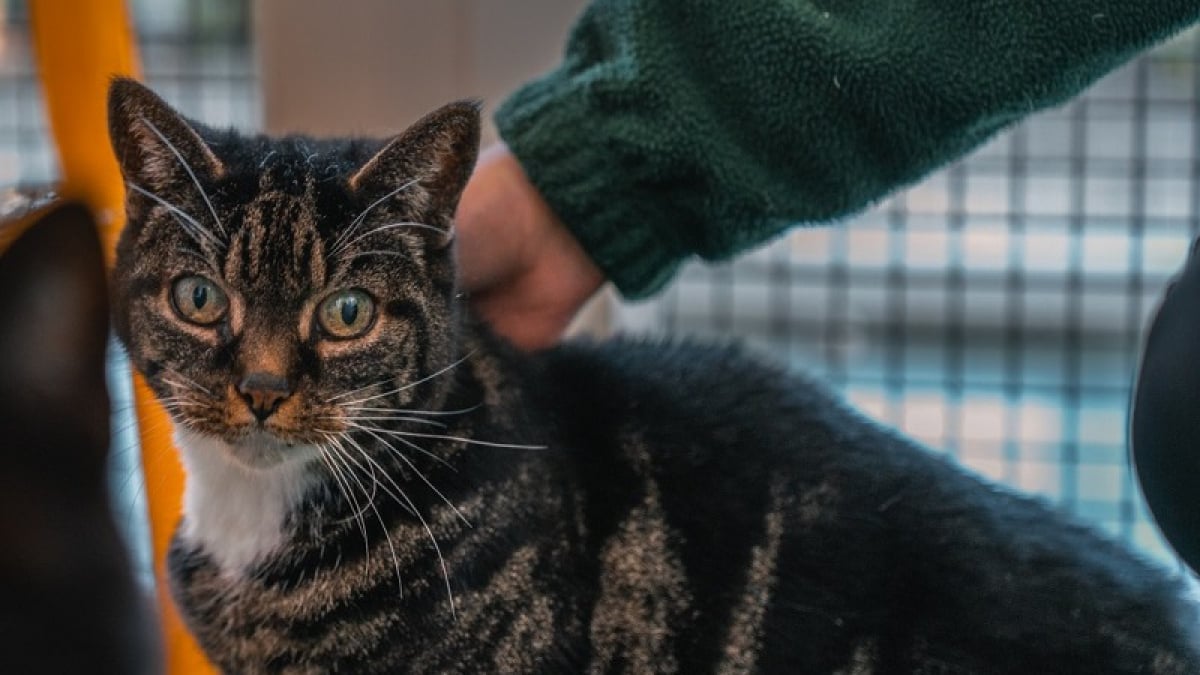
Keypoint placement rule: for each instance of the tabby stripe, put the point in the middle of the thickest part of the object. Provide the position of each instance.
(745, 637)
(714, 545)
(380, 596)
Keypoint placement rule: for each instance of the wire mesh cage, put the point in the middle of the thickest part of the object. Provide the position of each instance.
(198, 56)
(994, 311)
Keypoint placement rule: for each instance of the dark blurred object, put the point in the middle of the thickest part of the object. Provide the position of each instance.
(1165, 427)
(68, 601)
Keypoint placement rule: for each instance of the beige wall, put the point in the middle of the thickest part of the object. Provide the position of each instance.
(374, 66)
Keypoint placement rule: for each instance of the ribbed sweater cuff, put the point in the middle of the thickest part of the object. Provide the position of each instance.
(565, 147)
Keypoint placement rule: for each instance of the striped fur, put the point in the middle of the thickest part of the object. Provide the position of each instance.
(453, 506)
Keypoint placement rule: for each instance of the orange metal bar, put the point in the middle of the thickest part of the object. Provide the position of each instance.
(80, 46)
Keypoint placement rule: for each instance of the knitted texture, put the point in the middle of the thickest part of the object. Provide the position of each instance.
(681, 128)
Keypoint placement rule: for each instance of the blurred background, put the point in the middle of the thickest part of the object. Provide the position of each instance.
(994, 311)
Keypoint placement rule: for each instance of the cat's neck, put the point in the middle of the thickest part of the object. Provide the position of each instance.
(234, 513)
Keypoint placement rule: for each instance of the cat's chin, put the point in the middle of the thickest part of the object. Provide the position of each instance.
(261, 450)
(256, 449)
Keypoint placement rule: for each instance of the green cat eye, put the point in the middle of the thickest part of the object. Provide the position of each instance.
(199, 300)
(346, 314)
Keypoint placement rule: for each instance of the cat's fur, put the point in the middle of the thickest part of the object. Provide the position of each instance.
(675, 508)
(68, 601)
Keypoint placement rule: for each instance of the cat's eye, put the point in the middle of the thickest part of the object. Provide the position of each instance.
(346, 314)
(199, 300)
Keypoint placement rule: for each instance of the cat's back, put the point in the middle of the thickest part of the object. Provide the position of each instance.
(719, 507)
(682, 388)
(791, 534)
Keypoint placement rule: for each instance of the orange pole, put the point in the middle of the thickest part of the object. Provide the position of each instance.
(80, 46)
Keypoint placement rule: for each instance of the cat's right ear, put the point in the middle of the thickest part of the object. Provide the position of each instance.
(427, 166)
(156, 147)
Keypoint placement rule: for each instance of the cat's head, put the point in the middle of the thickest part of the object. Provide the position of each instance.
(271, 290)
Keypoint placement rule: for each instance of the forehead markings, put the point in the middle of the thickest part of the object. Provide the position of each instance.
(255, 228)
(278, 230)
(237, 312)
(307, 318)
(232, 269)
(306, 247)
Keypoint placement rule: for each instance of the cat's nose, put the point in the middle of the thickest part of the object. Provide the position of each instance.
(264, 392)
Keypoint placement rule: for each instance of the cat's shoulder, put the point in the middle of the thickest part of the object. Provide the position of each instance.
(688, 378)
(650, 361)
(674, 361)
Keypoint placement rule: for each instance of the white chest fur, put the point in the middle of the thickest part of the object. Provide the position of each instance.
(236, 513)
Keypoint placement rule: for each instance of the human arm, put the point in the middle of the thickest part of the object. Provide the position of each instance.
(681, 128)
(526, 273)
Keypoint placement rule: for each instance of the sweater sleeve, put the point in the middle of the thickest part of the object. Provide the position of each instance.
(681, 128)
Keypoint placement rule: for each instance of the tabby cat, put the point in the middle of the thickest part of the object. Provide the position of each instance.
(68, 601)
(377, 485)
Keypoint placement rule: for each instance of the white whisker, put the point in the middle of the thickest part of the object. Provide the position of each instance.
(344, 394)
(187, 168)
(192, 227)
(408, 411)
(339, 479)
(367, 254)
(420, 475)
(437, 549)
(440, 460)
(372, 464)
(341, 454)
(382, 418)
(471, 441)
(338, 243)
(187, 380)
(410, 385)
(412, 507)
(387, 536)
(393, 226)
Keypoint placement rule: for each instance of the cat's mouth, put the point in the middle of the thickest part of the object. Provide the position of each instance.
(227, 423)
(259, 449)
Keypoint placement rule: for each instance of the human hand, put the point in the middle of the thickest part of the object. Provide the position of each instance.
(526, 274)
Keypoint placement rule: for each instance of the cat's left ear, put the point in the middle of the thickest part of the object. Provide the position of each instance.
(425, 168)
(158, 150)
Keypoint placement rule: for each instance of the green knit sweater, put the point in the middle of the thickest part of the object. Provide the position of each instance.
(681, 128)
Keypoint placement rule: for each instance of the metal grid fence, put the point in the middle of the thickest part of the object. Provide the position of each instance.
(196, 55)
(993, 311)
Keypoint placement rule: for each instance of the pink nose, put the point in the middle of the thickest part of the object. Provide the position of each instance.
(263, 393)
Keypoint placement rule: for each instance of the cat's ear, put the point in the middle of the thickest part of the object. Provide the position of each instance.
(156, 147)
(426, 167)
(53, 330)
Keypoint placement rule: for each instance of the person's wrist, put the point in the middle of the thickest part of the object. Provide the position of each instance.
(495, 221)
(526, 272)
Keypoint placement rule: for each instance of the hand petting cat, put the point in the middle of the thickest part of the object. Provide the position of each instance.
(525, 272)
(659, 142)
